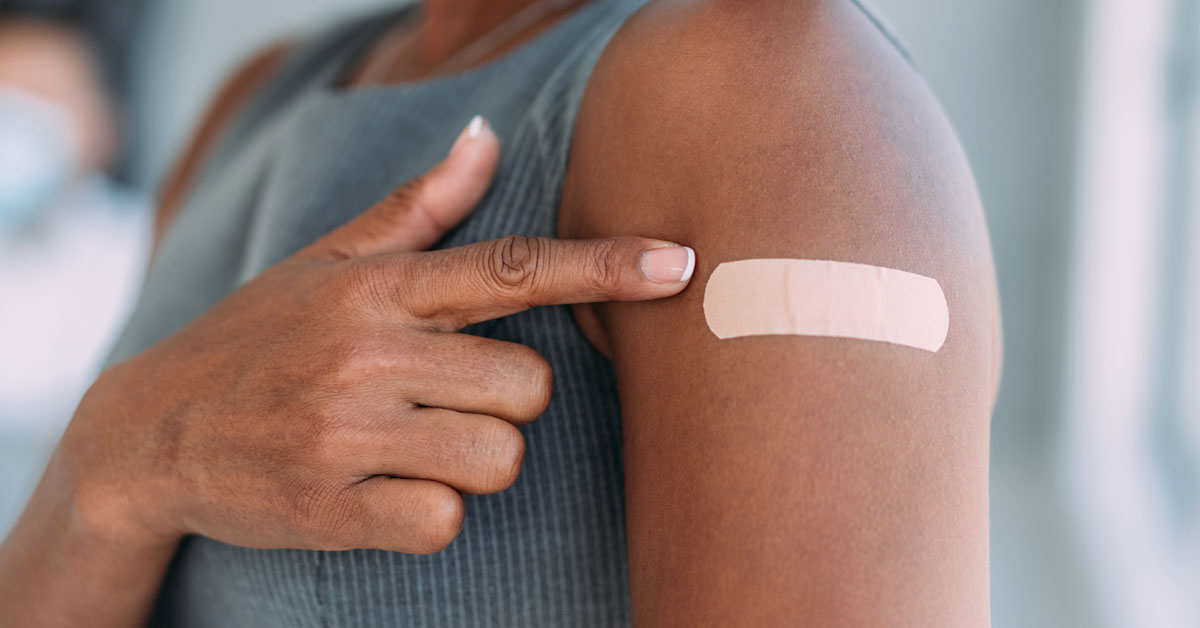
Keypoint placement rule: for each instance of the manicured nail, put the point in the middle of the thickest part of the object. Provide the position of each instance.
(473, 131)
(669, 264)
(475, 128)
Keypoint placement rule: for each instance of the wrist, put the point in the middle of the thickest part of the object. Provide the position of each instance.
(62, 565)
(102, 521)
(99, 513)
(104, 473)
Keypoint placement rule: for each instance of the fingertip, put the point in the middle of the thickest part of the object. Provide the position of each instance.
(475, 155)
(668, 264)
(476, 136)
(461, 180)
(691, 265)
(475, 127)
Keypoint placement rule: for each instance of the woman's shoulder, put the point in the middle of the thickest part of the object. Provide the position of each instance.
(798, 128)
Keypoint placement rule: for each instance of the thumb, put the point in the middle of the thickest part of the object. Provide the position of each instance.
(417, 214)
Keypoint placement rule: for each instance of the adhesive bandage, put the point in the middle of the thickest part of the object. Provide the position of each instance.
(759, 297)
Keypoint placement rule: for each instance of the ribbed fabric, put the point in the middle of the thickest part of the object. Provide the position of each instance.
(303, 159)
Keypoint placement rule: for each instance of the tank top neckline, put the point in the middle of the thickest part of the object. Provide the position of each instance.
(333, 85)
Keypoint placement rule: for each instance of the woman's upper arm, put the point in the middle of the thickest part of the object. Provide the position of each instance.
(773, 480)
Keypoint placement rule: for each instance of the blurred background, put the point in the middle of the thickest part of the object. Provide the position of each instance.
(1082, 122)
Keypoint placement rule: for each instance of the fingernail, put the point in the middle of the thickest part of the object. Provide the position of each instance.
(668, 264)
(473, 131)
(475, 128)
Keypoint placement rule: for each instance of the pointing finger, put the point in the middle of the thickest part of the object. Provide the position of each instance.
(457, 287)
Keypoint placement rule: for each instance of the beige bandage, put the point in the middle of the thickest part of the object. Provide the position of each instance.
(759, 297)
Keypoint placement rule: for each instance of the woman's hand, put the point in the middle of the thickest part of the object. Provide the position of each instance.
(329, 403)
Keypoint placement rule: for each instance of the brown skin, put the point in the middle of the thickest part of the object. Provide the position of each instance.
(776, 481)
(770, 481)
(327, 404)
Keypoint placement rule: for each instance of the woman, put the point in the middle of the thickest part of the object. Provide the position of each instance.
(326, 404)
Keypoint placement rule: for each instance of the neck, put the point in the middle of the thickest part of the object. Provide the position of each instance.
(451, 24)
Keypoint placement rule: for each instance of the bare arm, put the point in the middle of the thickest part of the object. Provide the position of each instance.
(789, 480)
(327, 404)
(60, 569)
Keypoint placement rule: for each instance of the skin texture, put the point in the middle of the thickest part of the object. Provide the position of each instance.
(788, 480)
(770, 481)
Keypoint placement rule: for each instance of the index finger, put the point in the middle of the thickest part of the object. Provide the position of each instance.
(457, 287)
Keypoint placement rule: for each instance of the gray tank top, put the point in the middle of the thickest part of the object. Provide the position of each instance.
(302, 159)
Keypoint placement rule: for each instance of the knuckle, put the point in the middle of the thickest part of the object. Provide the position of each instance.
(337, 376)
(318, 515)
(537, 380)
(351, 363)
(406, 197)
(515, 262)
(363, 283)
(443, 514)
(502, 446)
(405, 202)
(604, 269)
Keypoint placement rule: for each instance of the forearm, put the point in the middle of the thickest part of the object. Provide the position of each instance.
(59, 567)
(81, 554)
